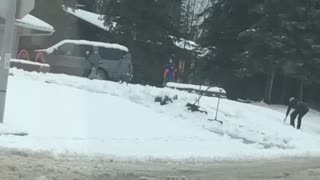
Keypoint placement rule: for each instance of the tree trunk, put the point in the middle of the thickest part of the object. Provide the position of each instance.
(269, 87)
(301, 87)
(284, 90)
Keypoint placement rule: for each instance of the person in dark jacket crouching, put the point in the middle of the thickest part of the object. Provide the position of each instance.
(300, 109)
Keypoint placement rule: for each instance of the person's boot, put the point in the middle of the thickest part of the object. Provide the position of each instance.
(292, 123)
(299, 123)
(293, 118)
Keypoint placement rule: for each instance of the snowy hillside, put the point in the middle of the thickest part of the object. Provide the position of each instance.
(65, 114)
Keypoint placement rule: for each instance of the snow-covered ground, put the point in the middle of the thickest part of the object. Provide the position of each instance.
(310, 122)
(65, 114)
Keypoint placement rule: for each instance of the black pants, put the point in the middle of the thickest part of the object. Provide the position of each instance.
(298, 113)
(87, 72)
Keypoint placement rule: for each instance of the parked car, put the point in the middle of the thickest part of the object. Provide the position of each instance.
(72, 57)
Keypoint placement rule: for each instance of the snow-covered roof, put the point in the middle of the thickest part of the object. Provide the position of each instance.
(35, 23)
(184, 44)
(90, 17)
(191, 46)
(85, 42)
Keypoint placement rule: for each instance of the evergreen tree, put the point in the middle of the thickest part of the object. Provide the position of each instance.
(224, 20)
(280, 40)
(144, 26)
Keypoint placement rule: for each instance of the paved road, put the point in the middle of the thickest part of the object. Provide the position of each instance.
(15, 165)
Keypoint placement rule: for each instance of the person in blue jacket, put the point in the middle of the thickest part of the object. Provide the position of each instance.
(169, 74)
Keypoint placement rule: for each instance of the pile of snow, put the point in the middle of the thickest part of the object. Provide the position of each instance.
(85, 42)
(6, 130)
(22, 61)
(65, 114)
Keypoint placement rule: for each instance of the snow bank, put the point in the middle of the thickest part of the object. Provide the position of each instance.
(65, 114)
(7, 130)
(22, 61)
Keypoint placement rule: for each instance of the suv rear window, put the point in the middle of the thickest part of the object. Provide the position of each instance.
(75, 50)
(66, 49)
(83, 49)
(111, 54)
